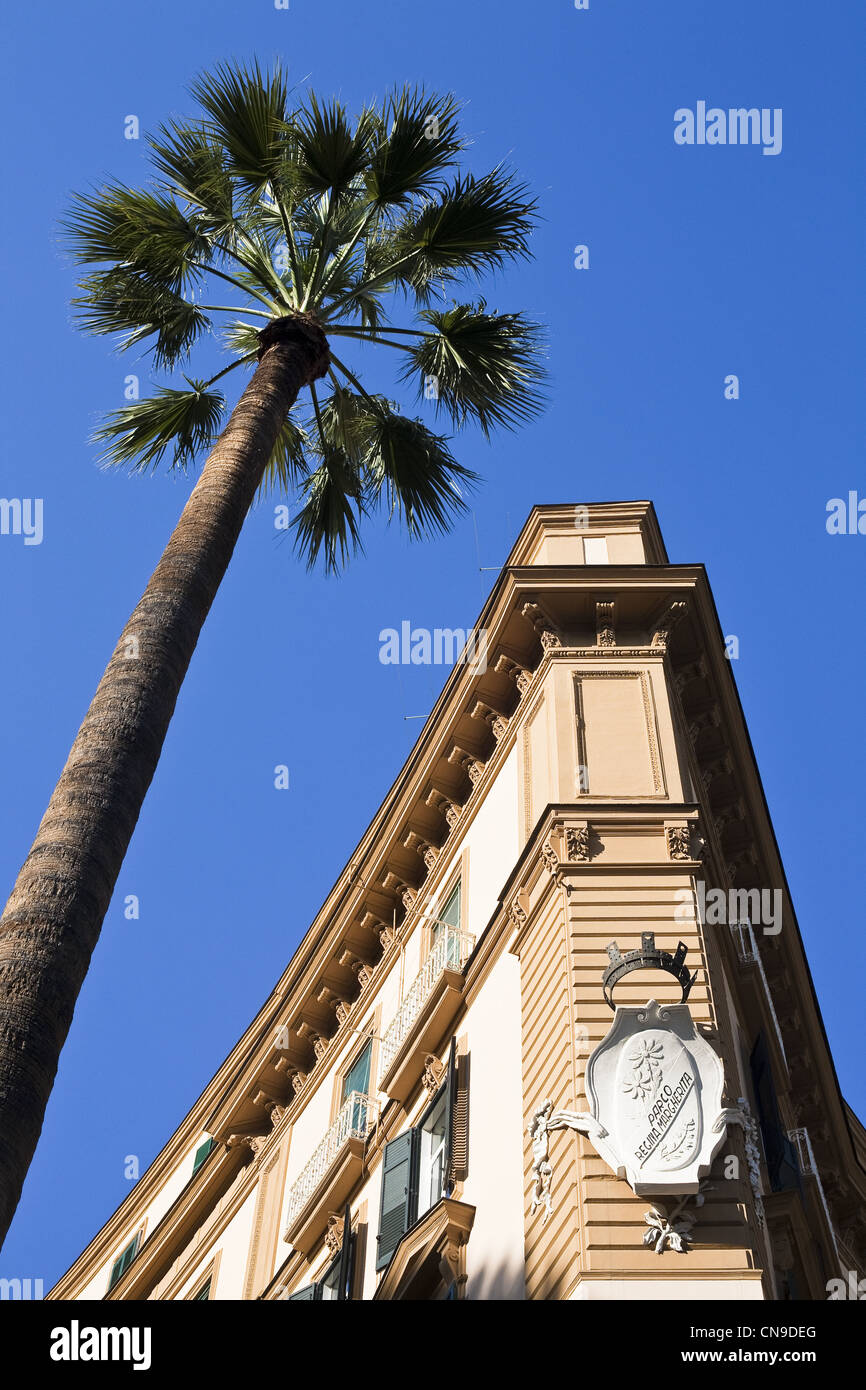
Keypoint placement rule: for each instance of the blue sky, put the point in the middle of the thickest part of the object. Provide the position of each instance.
(704, 261)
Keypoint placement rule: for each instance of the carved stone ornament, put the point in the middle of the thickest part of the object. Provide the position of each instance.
(320, 1046)
(299, 1079)
(342, 1009)
(434, 1071)
(679, 841)
(605, 618)
(452, 814)
(655, 1093)
(549, 856)
(577, 843)
(334, 1233)
(517, 913)
(275, 1114)
(672, 1230)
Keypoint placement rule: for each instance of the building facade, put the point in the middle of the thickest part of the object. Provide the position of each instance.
(427, 1106)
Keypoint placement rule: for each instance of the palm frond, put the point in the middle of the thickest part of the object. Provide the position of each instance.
(143, 231)
(139, 434)
(329, 521)
(121, 301)
(472, 227)
(416, 142)
(414, 472)
(477, 365)
(332, 154)
(241, 338)
(248, 115)
(195, 165)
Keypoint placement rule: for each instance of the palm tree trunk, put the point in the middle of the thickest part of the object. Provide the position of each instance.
(52, 921)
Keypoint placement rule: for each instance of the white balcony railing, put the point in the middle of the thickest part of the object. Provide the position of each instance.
(357, 1117)
(809, 1168)
(451, 951)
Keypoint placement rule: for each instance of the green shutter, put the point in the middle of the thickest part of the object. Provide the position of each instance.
(310, 1292)
(201, 1154)
(123, 1261)
(346, 1257)
(398, 1180)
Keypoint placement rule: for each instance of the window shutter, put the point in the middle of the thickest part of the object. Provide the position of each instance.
(346, 1260)
(398, 1180)
(310, 1292)
(458, 1122)
(201, 1154)
(124, 1260)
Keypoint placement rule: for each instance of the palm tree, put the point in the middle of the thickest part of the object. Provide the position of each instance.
(307, 228)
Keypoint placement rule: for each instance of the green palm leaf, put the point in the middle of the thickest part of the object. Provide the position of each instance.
(248, 112)
(414, 472)
(475, 226)
(147, 232)
(479, 366)
(187, 422)
(416, 141)
(329, 521)
(124, 302)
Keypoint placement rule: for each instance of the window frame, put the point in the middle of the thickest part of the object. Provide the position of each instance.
(137, 1239)
(447, 1091)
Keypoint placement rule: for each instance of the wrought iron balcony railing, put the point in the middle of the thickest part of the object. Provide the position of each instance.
(357, 1117)
(451, 951)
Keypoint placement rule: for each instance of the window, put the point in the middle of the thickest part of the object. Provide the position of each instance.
(433, 1155)
(335, 1284)
(124, 1260)
(782, 1165)
(417, 1165)
(201, 1154)
(449, 914)
(202, 1295)
(595, 550)
(357, 1078)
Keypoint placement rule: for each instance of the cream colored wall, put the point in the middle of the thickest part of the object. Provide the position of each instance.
(233, 1246)
(153, 1214)
(494, 1186)
(661, 1290)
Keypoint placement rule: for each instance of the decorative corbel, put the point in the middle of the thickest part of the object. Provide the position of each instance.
(605, 623)
(472, 766)
(548, 633)
(494, 719)
(434, 1073)
(520, 675)
(667, 620)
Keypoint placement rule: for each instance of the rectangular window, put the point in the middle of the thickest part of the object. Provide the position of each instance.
(595, 550)
(417, 1166)
(201, 1154)
(203, 1294)
(335, 1285)
(433, 1155)
(124, 1260)
(357, 1078)
(449, 916)
(782, 1165)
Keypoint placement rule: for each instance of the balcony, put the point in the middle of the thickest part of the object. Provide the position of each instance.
(425, 1013)
(335, 1167)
